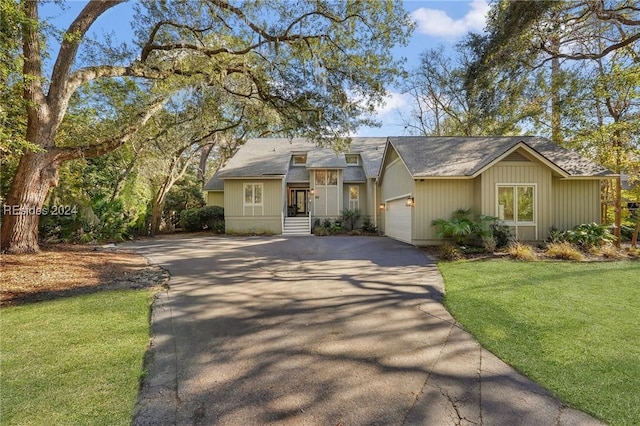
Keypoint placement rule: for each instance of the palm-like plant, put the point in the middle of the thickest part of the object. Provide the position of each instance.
(460, 227)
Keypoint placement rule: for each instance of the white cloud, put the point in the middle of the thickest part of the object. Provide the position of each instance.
(393, 102)
(437, 23)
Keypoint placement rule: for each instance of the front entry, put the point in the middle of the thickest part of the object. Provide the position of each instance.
(298, 202)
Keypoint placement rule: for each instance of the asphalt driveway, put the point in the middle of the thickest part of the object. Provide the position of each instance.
(319, 331)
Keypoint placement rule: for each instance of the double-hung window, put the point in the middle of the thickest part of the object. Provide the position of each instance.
(516, 204)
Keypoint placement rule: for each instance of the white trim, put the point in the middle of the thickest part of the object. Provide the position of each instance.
(253, 204)
(516, 223)
(357, 199)
(397, 198)
(529, 151)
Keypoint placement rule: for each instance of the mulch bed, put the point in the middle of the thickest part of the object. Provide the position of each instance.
(64, 270)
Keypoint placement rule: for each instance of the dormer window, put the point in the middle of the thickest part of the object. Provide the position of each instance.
(352, 159)
(299, 160)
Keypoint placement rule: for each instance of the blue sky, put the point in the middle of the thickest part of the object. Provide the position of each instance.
(437, 23)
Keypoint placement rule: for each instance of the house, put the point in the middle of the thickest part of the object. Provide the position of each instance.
(278, 185)
(404, 183)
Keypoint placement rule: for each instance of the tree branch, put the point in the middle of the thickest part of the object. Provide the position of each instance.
(58, 95)
(96, 150)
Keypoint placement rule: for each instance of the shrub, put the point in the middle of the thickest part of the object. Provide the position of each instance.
(320, 231)
(520, 251)
(208, 217)
(489, 244)
(564, 250)
(589, 235)
(448, 251)
(501, 233)
(611, 252)
(460, 227)
(368, 227)
(351, 217)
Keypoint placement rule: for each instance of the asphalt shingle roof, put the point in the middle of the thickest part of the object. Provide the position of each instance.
(214, 184)
(271, 157)
(465, 156)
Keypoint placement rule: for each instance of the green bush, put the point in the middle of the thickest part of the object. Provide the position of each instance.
(198, 219)
(462, 226)
(351, 217)
(587, 235)
(368, 227)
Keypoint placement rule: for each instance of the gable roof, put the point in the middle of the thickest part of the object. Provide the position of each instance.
(451, 156)
(214, 184)
(270, 157)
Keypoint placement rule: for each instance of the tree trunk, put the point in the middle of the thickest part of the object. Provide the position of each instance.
(36, 173)
(204, 157)
(634, 238)
(156, 214)
(618, 212)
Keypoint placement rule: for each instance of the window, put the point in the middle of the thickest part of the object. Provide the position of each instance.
(516, 203)
(354, 197)
(326, 177)
(332, 177)
(252, 194)
(351, 159)
(299, 160)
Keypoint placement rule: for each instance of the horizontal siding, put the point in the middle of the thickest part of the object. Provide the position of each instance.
(437, 199)
(575, 202)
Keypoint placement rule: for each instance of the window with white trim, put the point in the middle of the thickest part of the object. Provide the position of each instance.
(354, 197)
(252, 194)
(516, 204)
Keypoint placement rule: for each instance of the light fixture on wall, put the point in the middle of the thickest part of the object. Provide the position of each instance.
(410, 201)
(312, 191)
(381, 206)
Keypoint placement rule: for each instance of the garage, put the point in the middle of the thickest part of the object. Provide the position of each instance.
(398, 220)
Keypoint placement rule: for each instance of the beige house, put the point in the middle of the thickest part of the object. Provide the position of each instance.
(278, 185)
(529, 183)
(403, 183)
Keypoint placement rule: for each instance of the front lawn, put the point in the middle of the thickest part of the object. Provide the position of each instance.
(74, 360)
(572, 327)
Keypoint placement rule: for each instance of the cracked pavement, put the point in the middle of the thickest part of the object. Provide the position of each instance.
(320, 331)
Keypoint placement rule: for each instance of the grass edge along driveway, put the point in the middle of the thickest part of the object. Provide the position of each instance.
(571, 327)
(74, 360)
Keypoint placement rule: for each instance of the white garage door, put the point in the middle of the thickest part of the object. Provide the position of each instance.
(397, 220)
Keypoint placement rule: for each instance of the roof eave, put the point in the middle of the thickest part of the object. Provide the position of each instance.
(523, 145)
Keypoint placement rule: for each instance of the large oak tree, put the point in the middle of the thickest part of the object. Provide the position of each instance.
(321, 66)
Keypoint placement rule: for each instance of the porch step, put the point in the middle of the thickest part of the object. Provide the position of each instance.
(296, 226)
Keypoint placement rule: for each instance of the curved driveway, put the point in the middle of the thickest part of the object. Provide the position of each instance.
(319, 331)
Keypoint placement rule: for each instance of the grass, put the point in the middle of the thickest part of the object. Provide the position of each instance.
(74, 360)
(571, 327)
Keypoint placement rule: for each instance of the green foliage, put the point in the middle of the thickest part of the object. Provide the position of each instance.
(320, 231)
(198, 219)
(500, 232)
(368, 227)
(585, 236)
(461, 226)
(351, 217)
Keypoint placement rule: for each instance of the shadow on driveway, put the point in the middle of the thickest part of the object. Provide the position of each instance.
(327, 331)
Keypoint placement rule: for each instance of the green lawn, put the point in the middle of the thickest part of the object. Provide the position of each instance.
(572, 327)
(73, 361)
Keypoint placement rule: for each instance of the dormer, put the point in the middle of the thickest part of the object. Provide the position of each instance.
(352, 159)
(299, 159)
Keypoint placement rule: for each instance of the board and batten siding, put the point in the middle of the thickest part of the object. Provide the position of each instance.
(396, 182)
(437, 199)
(520, 172)
(241, 219)
(215, 198)
(575, 202)
(327, 201)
